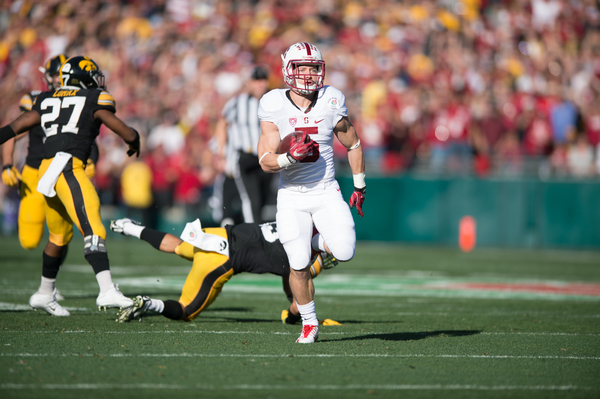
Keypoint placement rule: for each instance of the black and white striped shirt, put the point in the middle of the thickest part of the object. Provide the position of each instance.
(243, 125)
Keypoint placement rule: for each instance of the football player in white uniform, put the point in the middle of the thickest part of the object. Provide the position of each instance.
(308, 191)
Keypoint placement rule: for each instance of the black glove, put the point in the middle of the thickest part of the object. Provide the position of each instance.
(134, 146)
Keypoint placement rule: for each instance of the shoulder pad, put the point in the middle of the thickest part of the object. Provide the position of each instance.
(272, 101)
(105, 98)
(26, 102)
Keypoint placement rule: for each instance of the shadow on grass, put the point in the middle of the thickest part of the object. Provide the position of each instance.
(407, 336)
(215, 317)
(370, 321)
(157, 295)
(232, 309)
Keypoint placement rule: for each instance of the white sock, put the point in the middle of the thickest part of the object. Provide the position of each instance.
(318, 243)
(133, 230)
(47, 286)
(104, 281)
(308, 313)
(156, 305)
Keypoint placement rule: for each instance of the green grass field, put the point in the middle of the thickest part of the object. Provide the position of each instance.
(422, 322)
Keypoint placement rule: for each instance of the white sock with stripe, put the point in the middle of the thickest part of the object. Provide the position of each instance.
(156, 305)
(133, 230)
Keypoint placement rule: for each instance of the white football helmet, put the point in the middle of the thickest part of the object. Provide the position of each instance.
(303, 53)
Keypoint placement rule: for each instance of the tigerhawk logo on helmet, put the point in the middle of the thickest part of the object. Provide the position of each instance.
(303, 54)
(81, 72)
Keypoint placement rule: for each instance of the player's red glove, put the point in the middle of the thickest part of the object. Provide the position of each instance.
(302, 149)
(357, 198)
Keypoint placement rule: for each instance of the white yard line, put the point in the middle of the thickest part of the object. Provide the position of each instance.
(313, 355)
(390, 387)
(286, 333)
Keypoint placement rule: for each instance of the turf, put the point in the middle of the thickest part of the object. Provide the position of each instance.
(422, 322)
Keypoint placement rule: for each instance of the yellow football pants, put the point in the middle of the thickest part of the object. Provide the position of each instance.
(76, 201)
(32, 210)
(210, 271)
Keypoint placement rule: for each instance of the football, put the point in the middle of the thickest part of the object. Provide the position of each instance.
(286, 142)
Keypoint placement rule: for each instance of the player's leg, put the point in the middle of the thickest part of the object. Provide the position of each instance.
(335, 224)
(31, 210)
(80, 199)
(203, 285)
(243, 189)
(160, 240)
(60, 227)
(210, 271)
(144, 304)
(252, 179)
(295, 231)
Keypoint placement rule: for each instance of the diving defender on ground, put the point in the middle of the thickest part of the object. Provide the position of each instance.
(217, 255)
(308, 191)
(71, 118)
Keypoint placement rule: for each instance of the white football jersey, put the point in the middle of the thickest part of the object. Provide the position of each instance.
(318, 122)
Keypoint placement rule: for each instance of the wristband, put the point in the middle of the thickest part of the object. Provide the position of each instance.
(7, 166)
(6, 133)
(359, 180)
(284, 161)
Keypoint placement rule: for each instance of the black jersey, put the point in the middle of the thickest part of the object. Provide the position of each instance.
(68, 119)
(256, 249)
(35, 150)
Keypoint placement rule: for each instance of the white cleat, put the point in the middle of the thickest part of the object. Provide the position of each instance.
(113, 298)
(136, 311)
(118, 226)
(48, 303)
(58, 295)
(309, 334)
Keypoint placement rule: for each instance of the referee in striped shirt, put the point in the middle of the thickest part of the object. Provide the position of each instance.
(240, 127)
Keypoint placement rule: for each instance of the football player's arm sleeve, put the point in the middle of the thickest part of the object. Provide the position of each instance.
(267, 147)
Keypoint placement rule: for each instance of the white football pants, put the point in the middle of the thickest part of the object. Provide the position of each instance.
(298, 206)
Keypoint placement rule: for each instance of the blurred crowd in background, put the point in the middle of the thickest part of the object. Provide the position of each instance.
(453, 87)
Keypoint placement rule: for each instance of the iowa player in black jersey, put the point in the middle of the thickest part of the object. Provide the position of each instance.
(217, 255)
(32, 212)
(71, 118)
